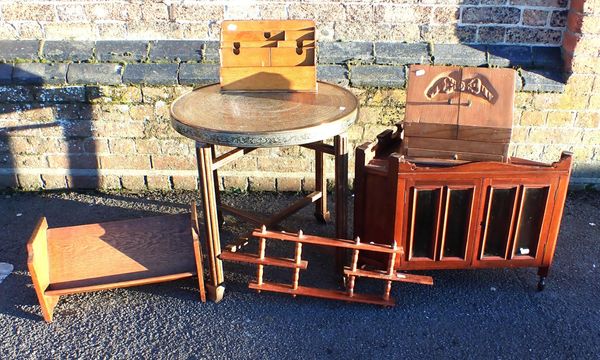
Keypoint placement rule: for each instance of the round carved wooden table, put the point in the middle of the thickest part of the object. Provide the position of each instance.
(250, 120)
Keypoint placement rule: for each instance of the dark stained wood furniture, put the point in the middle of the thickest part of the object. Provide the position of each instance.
(459, 113)
(249, 120)
(92, 257)
(456, 214)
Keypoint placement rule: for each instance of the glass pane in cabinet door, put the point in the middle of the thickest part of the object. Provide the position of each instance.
(498, 226)
(425, 221)
(457, 222)
(530, 221)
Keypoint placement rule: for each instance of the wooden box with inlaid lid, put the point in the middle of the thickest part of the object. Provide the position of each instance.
(268, 55)
(459, 113)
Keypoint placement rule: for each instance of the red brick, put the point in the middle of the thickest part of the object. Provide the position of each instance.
(77, 161)
(139, 162)
(570, 41)
(169, 162)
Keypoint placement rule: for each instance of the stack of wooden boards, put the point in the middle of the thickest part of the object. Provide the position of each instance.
(268, 55)
(458, 113)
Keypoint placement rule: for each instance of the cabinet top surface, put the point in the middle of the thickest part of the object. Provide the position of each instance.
(262, 119)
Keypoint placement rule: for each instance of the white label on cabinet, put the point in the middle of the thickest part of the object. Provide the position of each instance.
(524, 251)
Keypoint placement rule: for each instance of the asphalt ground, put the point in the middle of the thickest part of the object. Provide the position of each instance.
(494, 313)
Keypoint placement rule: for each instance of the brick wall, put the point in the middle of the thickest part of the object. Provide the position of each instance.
(77, 111)
(482, 21)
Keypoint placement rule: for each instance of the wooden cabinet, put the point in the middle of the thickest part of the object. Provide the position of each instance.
(454, 215)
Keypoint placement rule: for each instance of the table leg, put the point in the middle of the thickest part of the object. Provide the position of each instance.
(340, 143)
(204, 157)
(321, 212)
(217, 188)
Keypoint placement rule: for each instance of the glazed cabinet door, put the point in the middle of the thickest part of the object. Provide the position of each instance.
(439, 225)
(514, 222)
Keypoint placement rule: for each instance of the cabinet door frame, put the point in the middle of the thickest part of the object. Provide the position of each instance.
(444, 186)
(521, 185)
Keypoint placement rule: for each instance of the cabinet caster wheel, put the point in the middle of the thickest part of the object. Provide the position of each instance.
(541, 284)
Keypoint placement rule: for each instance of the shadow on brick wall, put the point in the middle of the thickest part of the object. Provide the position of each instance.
(47, 137)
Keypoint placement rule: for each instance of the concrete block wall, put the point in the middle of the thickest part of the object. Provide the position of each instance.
(85, 85)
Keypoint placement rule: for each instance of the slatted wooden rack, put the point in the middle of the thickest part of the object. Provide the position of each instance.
(351, 272)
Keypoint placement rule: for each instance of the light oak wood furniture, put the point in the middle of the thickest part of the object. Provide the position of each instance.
(459, 113)
(249, 120)
(92, 257)
(457, 214)
(268, 55)
(390, 252)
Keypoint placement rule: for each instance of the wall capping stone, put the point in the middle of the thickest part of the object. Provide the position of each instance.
(195, 62)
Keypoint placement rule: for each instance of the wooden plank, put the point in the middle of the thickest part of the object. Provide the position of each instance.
(245, 57)
(230, 156)
(299, 35)
(321, 293)
(125, 251)
(296, 44)
(265, 34)
(266, 261)
(452, 155)
(397, 276)
(250, 25)
(324, 241)
(320, 146)
(295, 207)
(108, 283)
(423, 129)
(38, 263)
(292, 56)
(456, 145)
(250, 44)
(481, 133)
(292, 78)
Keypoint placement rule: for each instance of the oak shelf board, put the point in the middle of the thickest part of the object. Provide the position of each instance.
(267, 261)
(119, 254)
(321, 293)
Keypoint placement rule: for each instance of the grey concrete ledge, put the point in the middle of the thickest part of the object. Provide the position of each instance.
(195, 62)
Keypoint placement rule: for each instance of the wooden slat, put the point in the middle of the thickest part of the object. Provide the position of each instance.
(292, 78)
(246, 57)
(246, 215)
(325, 148)
(230, 156)
(398, 276)
(321, 293)
(38, 263)
(198, 250)
(295, 207)
(452, 155)
(252, 35)
(250, 25)
(456, 145)
(323, 241)
(295, 35)
(249, 44)
(70, 288)
(292, 56)
(266, 261)
(296, 44)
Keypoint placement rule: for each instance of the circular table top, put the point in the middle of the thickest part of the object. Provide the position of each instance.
(263, 119)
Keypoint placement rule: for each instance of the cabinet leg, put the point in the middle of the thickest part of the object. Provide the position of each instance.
(321, 212)
(341, 191)
(541, 283)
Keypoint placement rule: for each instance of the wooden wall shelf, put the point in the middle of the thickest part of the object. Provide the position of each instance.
(92, 257)
(268, 55)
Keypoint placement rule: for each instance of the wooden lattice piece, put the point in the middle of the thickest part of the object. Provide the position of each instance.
(351, 272)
